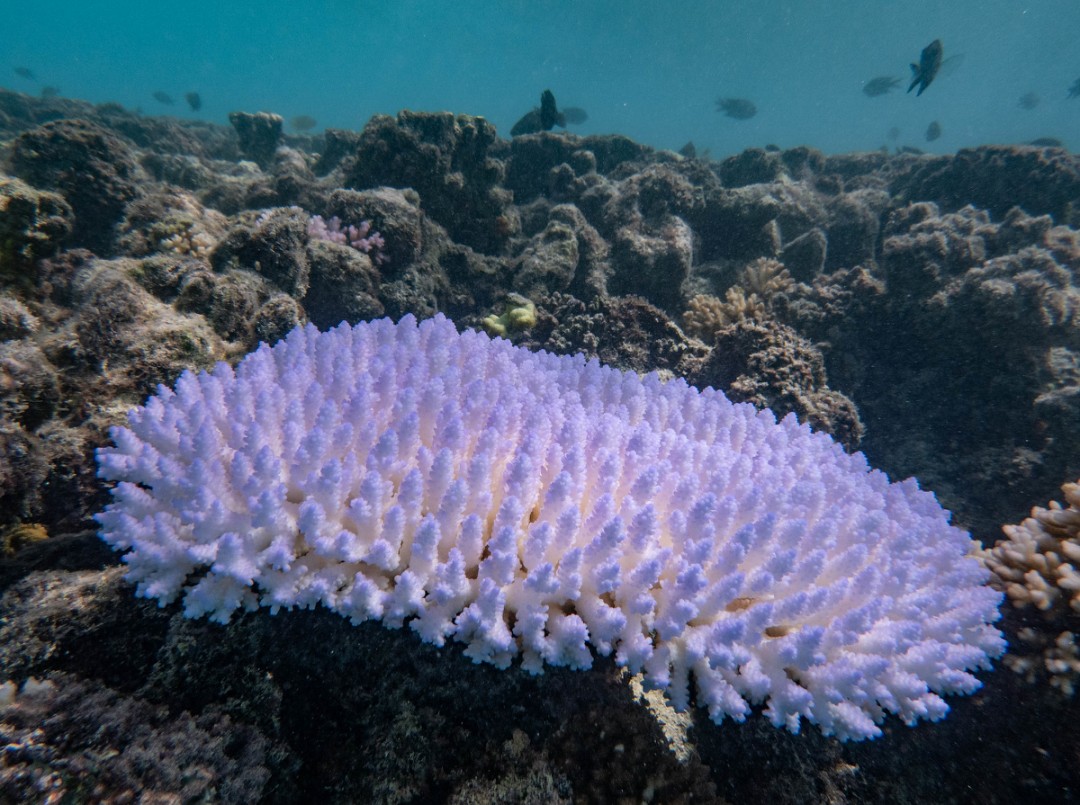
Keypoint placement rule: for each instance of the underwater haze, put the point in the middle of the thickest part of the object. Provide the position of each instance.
(648, 70)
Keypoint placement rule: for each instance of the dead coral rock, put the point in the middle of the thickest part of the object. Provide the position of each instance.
(339, 145)
(259, 133)
(16, 321)
(448, 160)
(805, 255)
(593, 271)
(768, 364)
(90, 166)
(533, 158)
(622, 331)
(752, 166)
(854, 227)
(344, 286)
(739, 224)
(275, 246)
(997, 178)
(33, 224)
(975, 321)
(652, 246)
(24, 467)
(128, 340)
(923, 247)
(653, 264)
(71, 737)
(29, 386)
(549, 262)
(171, 223)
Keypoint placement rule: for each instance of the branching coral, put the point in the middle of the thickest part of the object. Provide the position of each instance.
(1038, 565)
(750, 298)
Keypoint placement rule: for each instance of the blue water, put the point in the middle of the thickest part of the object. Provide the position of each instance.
(649, 70)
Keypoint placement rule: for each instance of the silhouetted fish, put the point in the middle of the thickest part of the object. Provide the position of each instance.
(894, 132)
(1047, 142)
(163, 97)
(929, 63)
(303, 123)
(933, 131)
(194, 101)
(880, 85)
(736, 108)
(1074, 90)
(50, 91)
(910, 149)
(1029, 100)
(25, 72)
(544, 118)
(689, 150)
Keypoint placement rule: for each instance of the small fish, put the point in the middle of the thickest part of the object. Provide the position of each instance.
(910, 149)
(736, 108)
(1029, 100)
(303, 123)
(880, 85)
(1074, 90)
(544, 118)
(894, 132)
(933, 131)
(163, 97)
(194, 101)
(689, 150)
(25, 72)
(49, 92)
(1047, 142)
(922, 74)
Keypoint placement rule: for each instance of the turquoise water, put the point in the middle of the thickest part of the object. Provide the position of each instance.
(649, 70)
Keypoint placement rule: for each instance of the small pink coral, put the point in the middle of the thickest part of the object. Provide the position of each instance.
(351, 235)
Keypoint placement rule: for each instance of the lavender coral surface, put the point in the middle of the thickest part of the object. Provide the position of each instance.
(534, 506)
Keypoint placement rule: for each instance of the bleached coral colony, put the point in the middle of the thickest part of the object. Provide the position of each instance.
(545, 507)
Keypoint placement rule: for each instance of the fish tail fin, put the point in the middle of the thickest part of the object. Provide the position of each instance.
(915, 74)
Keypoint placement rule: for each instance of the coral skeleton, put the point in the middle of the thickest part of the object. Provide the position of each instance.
(547, 508)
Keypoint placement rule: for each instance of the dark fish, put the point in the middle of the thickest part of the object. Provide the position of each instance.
(894, 132)
(544, 118)
(910, 149)
(1047, 142)
(549, 113)
(194, 101)
(929, 63)
(880, 85)
(1074, 90)
(50, 91)
(1029, 100)
(163, 97)
(575, 115)
(25, 72)
(689, 150)
(933, 131)
(303, 123)
(736, 108)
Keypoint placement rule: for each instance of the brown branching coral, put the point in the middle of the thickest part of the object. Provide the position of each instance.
(750, 298)
(1039, 561)
(766, 277)
(1038, 565)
